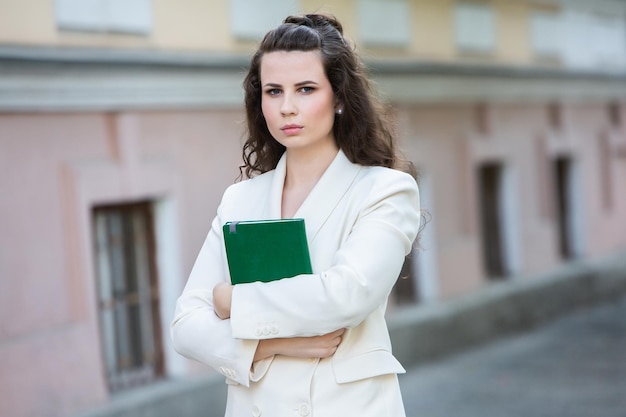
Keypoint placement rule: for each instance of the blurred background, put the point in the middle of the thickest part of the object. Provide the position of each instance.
(121, 124)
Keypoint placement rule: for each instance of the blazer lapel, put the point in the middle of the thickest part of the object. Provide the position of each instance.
(327, 193)
(276, 189)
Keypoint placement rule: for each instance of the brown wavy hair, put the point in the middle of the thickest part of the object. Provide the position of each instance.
(363, 131)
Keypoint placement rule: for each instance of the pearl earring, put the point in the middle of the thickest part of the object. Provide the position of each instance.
(339, 111)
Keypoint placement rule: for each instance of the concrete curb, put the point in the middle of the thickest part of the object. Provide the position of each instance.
(419, 333)
(182, 397)
(425, 332)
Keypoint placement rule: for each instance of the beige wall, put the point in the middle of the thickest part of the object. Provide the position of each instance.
(433, 29)
(206, 26)
(344, 10)
(187, 25)
(192, 24)
(27, 21)
(513, 28)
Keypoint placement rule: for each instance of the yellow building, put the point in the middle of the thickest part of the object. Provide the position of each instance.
(120, 126)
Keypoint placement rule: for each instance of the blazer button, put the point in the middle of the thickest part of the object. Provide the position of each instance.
(304, 410)
(274, 329)
(256, 411)
(266, 330)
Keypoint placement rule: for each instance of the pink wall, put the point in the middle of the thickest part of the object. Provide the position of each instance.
(56, 167)
(449, 141)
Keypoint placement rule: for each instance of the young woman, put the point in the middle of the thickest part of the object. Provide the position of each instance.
(318, 148)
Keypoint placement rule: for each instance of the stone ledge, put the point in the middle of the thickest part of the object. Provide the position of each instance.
(181, 397)
(426, 332)
(211, 60)
(49, 79)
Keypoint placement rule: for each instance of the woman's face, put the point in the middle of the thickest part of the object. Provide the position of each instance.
(297, 99)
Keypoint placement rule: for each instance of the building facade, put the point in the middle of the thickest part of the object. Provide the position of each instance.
(121, 125)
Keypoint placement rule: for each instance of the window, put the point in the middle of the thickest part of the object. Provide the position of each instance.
(606, 172)
(251, 19)
(474, 27)
(595, 35)
(543, 180)
(130, 16)
(384, 22)
(545, 31)
(404, 290)
(128, 296)
(564, 190)
(555, 115)
(614, 113)
(608, 35)
(482, 119)
(490, 184)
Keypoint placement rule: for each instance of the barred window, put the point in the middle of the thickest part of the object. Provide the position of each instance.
(128, 296)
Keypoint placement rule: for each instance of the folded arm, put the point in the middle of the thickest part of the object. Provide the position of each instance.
(363, 273)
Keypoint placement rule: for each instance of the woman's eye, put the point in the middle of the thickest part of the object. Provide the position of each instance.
(273, 92)
(307, 89)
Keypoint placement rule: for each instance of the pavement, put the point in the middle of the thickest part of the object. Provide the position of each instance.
(575, 366)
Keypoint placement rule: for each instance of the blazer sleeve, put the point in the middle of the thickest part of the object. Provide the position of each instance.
(360, 280)
(196, 331)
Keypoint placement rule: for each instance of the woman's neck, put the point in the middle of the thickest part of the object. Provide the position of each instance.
(304, 169)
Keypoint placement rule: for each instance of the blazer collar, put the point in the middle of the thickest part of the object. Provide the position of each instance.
(322, 199)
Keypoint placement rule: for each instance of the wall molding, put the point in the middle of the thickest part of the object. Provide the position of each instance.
(90, 79)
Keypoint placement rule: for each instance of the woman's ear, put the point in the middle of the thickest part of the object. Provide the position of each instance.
(338, 106)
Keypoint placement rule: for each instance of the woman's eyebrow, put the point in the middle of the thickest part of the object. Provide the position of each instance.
(301, 83)
(298, 84)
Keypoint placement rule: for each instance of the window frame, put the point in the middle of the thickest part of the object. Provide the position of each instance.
(251, 19)
(104, 16)
(128, 298)
(393, 31)
(466, 14)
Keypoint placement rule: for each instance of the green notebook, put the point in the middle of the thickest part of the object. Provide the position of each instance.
(266, 250)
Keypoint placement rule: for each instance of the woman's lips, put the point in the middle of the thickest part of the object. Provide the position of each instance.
(291, 129)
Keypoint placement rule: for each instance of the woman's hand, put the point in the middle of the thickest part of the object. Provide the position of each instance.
(322, 346)
(300, 347)
(222, 297)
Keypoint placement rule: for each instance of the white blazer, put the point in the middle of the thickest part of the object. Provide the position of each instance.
(360, 224)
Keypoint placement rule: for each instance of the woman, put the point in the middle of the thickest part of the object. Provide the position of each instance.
(315, 344)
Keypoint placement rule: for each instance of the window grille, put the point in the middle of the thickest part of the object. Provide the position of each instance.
(128, 296)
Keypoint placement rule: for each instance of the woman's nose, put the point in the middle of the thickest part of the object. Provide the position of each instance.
(288, 105)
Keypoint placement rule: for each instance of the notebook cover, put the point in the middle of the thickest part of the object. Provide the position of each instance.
(266, 250)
